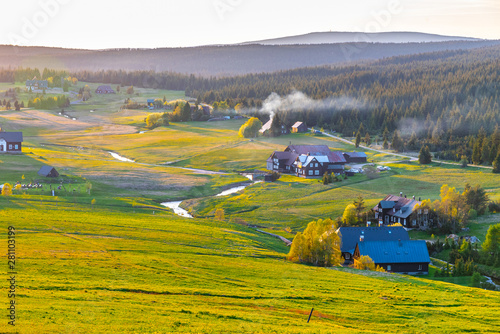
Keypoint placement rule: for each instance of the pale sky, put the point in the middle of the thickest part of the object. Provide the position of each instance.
(101, 24)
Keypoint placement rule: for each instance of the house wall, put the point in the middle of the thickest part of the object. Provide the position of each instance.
(13, 147)
(406, 268)
(3, 145)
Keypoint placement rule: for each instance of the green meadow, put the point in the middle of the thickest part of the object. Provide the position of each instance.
(103, 255)
(100, 271)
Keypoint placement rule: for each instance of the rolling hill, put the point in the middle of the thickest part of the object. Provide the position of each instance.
(355, 37)
(225, 60)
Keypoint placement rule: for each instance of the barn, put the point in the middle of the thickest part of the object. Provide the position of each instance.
(48, 171)
(11, 142)
(409, 257)
(104, 89)
(355, 157)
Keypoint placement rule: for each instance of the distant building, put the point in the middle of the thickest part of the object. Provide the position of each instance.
(48, 171)
(398, 209)
(307, 161)
(350, 236)
(11, 142)
(104, 89)
(299, 127)
(37, 84)
(409, 257)
(266, 128)
(355, 157)
(150, 103)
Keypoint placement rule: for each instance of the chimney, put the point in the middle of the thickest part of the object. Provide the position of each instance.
(413, 196)
(361, 238)
(368, 224)
(405, 195)
(308, 153)
(420, 199)
(400, 194)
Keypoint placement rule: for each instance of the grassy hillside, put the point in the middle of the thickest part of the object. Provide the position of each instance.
(101, 271)
(116, 261)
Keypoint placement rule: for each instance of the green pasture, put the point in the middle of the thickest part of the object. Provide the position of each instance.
(83, 271)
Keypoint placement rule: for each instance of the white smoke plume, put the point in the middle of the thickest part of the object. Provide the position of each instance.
(297, 101)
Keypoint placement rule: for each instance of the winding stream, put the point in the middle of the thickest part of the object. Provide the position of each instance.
(183, 213)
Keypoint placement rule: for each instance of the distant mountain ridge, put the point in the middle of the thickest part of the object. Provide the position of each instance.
(356, 37)
(224, 60)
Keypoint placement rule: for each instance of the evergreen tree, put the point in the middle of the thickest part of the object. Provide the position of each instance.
(425, 156)
(186, 112)
(397, 142)
(476, 153)
(275, 130)
(368, 140)
(385, 145)
(358, 139)
(496, 164)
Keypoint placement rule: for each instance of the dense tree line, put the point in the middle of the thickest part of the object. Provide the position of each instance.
(446, 100)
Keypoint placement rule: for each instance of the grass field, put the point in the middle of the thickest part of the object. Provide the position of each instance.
(94, 272)
(127, 264)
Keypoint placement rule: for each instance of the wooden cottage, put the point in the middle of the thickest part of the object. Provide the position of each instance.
(11, 142)
(355, 157)
(350, 236)
(398, 209)
(400, 256)
(299, 127)
(104, 89)
(307, 161)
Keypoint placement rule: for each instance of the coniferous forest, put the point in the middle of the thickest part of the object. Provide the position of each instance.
(448, 100)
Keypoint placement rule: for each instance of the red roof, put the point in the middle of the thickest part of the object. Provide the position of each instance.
(336, 157)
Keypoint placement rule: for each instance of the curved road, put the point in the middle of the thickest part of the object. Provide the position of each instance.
(397, 154)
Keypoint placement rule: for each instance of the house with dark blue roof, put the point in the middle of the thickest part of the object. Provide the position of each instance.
(351, 236)
(401, 256)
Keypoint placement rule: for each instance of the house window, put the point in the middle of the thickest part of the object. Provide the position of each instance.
(389, 267)
(287, 167)
(387, 219)
(419, 267)
(347, 256)
(10, 146)
(399, 220)
(310, 172)
(316, 172)
(404, 222)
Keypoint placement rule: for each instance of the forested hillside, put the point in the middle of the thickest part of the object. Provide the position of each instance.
(448, 100)
(224, 60)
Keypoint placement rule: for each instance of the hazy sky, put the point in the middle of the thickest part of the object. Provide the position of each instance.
(98, 24)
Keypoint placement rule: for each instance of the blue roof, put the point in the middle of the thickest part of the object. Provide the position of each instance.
(404, 251)
(350, 235)
(356, 154)
(387, 204)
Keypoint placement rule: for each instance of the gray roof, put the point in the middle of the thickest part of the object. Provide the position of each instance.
(46, 170)
(12, 137)
(403, 251)
(350, 235)
(387, 204)
(297, 124)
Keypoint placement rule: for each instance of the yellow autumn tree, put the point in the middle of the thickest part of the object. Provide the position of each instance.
(349, 217)
(318, 245)
(366, 263)
(7, 189)
(219, 214)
